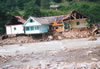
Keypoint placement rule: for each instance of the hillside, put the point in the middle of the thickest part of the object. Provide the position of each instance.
(40, 8)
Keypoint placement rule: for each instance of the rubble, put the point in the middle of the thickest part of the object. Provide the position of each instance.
(19, 40)
(67, 34)
(76, 33)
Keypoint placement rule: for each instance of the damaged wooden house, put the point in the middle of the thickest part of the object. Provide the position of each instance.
(75, 20)
(15, 26)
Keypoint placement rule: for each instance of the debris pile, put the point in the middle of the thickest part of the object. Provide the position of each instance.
(19, 40)
(67, 34)
(77, 33)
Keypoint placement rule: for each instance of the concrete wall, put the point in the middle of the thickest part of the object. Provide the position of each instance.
(14, 29)
(83, 23)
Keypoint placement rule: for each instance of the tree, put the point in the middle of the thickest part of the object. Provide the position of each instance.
(95, 13)
(44, 4)
(4, 17)
(31, 9)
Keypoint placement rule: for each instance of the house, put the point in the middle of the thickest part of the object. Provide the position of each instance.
(75, 20)
(54, 6)
(15, 26)
(58, 25)
(36, 25)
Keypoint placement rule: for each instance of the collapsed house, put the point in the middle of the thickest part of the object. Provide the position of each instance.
(58, 25)
(15, 26)
(75, 20)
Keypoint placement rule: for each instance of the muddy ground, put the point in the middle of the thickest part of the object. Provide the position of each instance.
(64, 54)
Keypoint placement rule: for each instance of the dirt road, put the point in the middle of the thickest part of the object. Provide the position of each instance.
(54, 51)
(47, 46)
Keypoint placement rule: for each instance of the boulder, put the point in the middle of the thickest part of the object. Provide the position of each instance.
(92, 38)
(59, 37)
(50, 37)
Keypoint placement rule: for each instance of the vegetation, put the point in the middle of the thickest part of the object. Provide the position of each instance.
(40, 8)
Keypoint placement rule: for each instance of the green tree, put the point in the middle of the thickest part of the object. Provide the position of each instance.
(94, 13)
(45, 4)
(31, 9)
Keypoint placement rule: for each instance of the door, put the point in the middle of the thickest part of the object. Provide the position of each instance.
(67, 26)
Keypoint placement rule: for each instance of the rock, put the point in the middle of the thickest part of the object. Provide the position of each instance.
(94, 59)
(50, 37)
(36, 67)
(12, 68)
(89, 52)
(59, 37)
(93, 66)
(92, 38)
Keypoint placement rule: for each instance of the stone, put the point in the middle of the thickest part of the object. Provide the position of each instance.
(93, 66)
(92, 38)
(36, 67)
(50, 37)
(94, 59)
(59, 37)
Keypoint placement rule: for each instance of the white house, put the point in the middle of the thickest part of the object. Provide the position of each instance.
(15, 26)
(36, 25)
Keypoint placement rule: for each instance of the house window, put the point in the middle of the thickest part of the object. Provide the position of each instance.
(37, 28)
(14, 28)
(31, 20)
(27, 28)
(31, 28)
(56, 27)
(78, 23)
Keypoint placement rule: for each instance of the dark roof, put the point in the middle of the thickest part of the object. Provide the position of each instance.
(49, 20)
(16, 20)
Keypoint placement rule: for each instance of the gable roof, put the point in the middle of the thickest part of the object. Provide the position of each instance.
(48, 20)
(16, 20)
(71, 13)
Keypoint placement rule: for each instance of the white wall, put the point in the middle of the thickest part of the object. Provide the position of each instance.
(28, 23)
(8, 30)
(14, 29)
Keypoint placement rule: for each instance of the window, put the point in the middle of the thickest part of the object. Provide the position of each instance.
(78, 23)
(31, 28)
(27, 28)
(15, 28)
(37, 28)
(56, 27)
(61, 26)
(31, 20)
